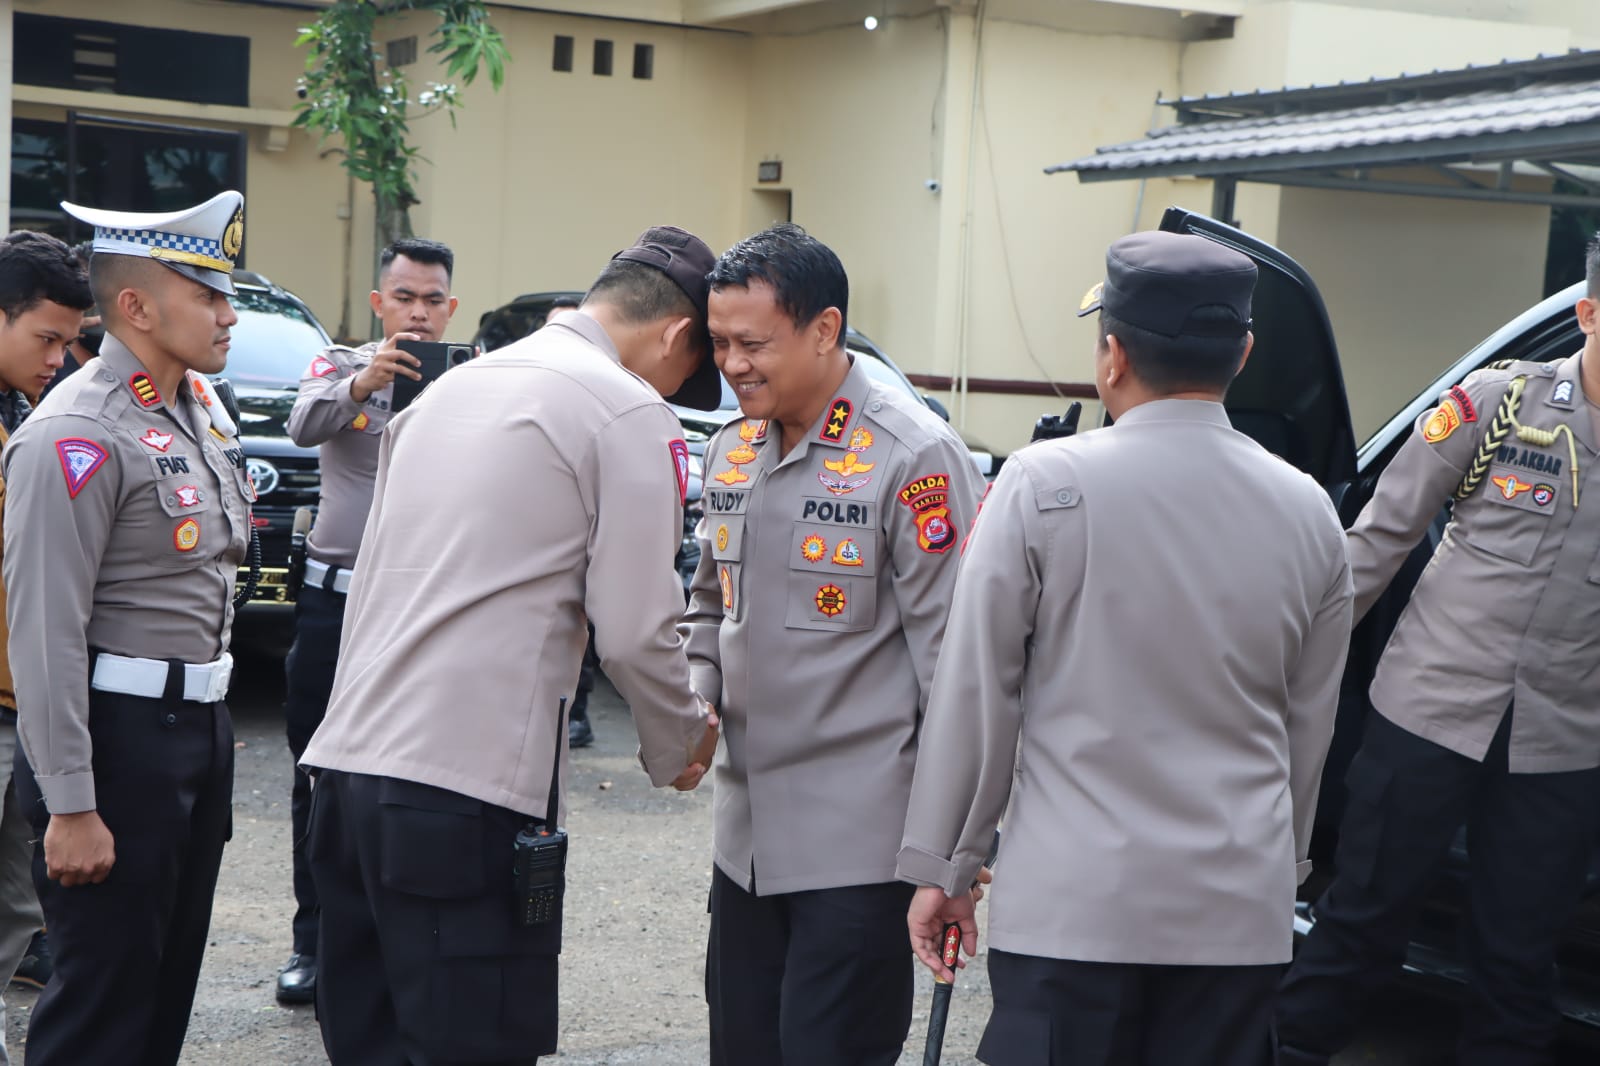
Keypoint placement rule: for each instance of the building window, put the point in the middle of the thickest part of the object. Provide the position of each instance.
(562, 60)
(602, 58)
(402, 51)
(113, 57)
(120, 165)
(644, 61)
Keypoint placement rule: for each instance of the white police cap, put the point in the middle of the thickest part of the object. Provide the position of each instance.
(200, 243)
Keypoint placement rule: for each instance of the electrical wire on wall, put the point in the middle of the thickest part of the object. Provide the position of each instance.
(958, 383)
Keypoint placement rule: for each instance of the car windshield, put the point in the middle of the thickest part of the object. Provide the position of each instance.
(876, 368)
(273, 341)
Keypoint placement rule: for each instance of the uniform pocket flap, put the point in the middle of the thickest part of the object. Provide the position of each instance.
(1057, 498)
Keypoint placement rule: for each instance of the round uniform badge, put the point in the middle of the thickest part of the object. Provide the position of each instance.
(187, 535)
(722, 538)
(831, 600)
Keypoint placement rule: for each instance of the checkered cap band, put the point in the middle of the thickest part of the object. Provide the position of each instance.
(154, 238)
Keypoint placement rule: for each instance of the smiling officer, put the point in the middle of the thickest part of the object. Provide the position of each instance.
(127, 517)
(832, 518)
(341, 408)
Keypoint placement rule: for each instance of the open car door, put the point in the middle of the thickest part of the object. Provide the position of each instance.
(1290, 396)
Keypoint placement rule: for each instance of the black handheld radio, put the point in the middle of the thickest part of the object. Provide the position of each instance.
(1054, 427)
(539, 854)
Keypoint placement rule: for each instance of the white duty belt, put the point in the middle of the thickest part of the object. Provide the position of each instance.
(317, 575)
(202, 682)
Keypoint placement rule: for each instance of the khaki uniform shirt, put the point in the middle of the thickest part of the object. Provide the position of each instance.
(814, 623)
(348, 432)
(1508, 609)
(1160, 612)
(524, 493)
(127, 517)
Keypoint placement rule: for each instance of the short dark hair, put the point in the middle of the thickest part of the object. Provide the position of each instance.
(805, 275)
(1591, 266)
(35, 267)
(1183, 363)
(640, 293)
(419, 250)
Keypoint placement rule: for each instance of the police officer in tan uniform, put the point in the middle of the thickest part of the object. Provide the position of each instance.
(127, 516)
(833, 512)
(524, 494)
(1485, 701)
(1159, 611)
(44, 291)
(342, 406)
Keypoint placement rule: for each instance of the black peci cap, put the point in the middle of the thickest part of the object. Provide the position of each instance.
(687, 260)
(1157, 280)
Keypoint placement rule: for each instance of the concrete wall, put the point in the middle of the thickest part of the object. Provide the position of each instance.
(1411, 283)
(856, 149)
(539, 184)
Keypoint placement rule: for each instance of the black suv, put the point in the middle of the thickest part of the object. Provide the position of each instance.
(274, 340)
(1290, 397)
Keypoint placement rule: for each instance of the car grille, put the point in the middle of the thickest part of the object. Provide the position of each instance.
(299, 484)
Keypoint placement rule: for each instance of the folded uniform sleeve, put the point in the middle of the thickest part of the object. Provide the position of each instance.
(632, 590)
(63, 479)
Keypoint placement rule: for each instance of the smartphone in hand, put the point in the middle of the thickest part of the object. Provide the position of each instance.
(436, 357)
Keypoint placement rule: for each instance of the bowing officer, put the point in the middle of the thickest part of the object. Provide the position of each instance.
(524, 494)
(1485, 709)
(827, 563)
(127, 516)
(343, 404)
(1159, 611)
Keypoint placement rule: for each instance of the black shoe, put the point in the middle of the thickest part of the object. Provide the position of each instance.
(579, 733)
(37, 965)
(297, 982)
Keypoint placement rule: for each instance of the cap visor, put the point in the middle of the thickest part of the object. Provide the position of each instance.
(703, 390)
(211, 279)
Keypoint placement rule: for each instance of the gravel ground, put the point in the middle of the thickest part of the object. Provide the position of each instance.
(633, 965)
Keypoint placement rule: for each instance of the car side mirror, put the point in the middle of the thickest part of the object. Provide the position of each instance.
(936, 407)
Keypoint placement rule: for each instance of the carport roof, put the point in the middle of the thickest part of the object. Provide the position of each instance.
(1544, 111)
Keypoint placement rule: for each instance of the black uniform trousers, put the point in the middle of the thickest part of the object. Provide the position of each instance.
(1062, 1012)
(823, 976)
(308, 675)
(1529, 838)
(420, 960)
(128, 950)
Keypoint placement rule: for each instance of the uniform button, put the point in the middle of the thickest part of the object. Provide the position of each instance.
(170, 718)
(1066, 496)
(875, 405)
(106, 375)
(171, 500)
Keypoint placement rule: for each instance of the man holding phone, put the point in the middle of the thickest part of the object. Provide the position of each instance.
(346, 399)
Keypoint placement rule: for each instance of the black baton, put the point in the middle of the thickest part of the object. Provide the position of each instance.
(941, 998)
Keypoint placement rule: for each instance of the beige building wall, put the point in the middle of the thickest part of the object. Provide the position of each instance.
(1411, 283)
(539, 184)
(857, 150)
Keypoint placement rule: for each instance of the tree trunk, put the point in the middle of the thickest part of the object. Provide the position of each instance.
(391, 222)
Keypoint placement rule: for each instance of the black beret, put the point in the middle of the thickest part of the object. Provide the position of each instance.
(687, 260)
(1157, 280)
